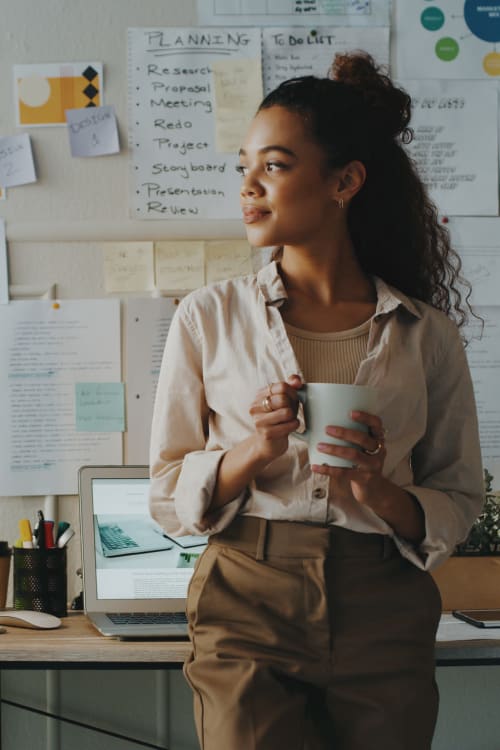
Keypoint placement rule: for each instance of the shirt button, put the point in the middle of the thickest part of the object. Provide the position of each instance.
(319, 493)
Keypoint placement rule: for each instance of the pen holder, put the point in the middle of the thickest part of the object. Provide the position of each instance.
(40, 580)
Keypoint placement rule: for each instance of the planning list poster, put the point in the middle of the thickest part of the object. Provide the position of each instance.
(182, 103)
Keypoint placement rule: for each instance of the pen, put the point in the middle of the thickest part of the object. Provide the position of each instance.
(40, 532)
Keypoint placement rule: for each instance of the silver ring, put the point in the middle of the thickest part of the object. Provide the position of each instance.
(266, 404)
(374, 452)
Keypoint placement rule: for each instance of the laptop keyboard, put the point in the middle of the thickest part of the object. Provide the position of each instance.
(148, 618)
(113, 537)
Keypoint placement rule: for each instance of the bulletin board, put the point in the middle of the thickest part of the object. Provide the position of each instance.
(64, 228)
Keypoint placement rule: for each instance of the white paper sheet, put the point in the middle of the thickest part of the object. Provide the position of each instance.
(459, 168)
(46, 350)
(4, 270)
(452, 629)
(484, 362)
(146, 327)
(176, 172)
(16, 161)
(293, 51)
(447, 39)
(92, 132)
(275, 12)
(477, 241)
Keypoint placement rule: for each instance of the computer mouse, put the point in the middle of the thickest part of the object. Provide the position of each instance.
(25, 618)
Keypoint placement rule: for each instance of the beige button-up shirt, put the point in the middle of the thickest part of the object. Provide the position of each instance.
(228, 339)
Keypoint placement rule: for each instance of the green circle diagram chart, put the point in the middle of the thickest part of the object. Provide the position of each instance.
(481, 19)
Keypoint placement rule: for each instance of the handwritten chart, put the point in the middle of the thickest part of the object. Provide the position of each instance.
(459, 169)
(294, 51)
(274, 12)
(446, 39)
(177, 172)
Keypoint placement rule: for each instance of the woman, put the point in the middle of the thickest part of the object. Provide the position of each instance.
(312, 613)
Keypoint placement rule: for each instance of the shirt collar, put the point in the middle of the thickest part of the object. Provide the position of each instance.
(273, 290)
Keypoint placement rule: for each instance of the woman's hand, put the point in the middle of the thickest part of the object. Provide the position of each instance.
(400, 509)
(274, 412)
(366, 481)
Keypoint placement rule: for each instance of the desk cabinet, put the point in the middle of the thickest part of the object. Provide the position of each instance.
(136, 690)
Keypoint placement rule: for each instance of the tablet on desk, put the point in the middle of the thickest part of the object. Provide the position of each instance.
(481, 618)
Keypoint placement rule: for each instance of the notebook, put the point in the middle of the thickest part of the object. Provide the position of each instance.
(135, 577)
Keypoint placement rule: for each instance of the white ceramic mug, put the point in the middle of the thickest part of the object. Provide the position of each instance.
(330, 404)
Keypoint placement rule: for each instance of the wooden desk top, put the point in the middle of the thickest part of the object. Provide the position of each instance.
(78, 645)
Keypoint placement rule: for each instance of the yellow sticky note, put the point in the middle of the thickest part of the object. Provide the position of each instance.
(179, 265)
(128, 267)
(225, 259)
(237, 94)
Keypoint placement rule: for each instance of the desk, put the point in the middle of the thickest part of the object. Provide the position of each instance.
(78, 645)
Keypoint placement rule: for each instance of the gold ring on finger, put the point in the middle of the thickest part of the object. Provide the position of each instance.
(266, 404)
(375, 451)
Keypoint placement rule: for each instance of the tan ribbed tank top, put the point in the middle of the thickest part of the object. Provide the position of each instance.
(330, 357)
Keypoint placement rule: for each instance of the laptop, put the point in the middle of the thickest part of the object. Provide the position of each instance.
(135, 577)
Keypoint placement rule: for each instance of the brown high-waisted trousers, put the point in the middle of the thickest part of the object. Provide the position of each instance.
(311, 638)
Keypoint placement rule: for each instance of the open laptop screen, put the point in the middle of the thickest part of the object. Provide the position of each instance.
(132, 559)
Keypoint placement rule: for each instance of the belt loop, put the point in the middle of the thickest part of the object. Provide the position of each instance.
(260, 550)
(388, 548)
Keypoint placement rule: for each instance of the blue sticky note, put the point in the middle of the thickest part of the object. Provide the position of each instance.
(99, 407)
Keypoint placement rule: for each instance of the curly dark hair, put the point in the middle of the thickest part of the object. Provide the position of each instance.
(357, 113)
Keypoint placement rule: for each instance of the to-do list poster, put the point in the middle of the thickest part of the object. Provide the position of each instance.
(177, 172)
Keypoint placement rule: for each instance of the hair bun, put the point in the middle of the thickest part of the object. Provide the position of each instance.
(391, 106)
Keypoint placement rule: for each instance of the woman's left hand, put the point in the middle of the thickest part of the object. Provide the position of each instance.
(365, 478)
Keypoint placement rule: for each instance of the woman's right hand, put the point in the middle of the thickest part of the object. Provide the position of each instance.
(274, 412)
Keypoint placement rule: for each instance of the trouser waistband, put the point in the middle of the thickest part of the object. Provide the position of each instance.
(262, 538)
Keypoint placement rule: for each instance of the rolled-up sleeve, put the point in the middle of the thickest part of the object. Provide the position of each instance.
(183, 472)
(447, 467)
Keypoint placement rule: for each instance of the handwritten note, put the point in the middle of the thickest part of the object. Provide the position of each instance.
(99, 407)
(294, 51)
(459, 167)
(477, 241)
(238, 93)
(179, 265)
(46, 350)
(92, 132)
(176, 170)
(147, 322)
(225, 259)
(16, 160)
(4, 272)
(128, 266)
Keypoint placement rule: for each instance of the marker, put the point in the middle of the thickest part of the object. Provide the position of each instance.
(48, 534)
(61, 528)
(25, 530)
(65, 537)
